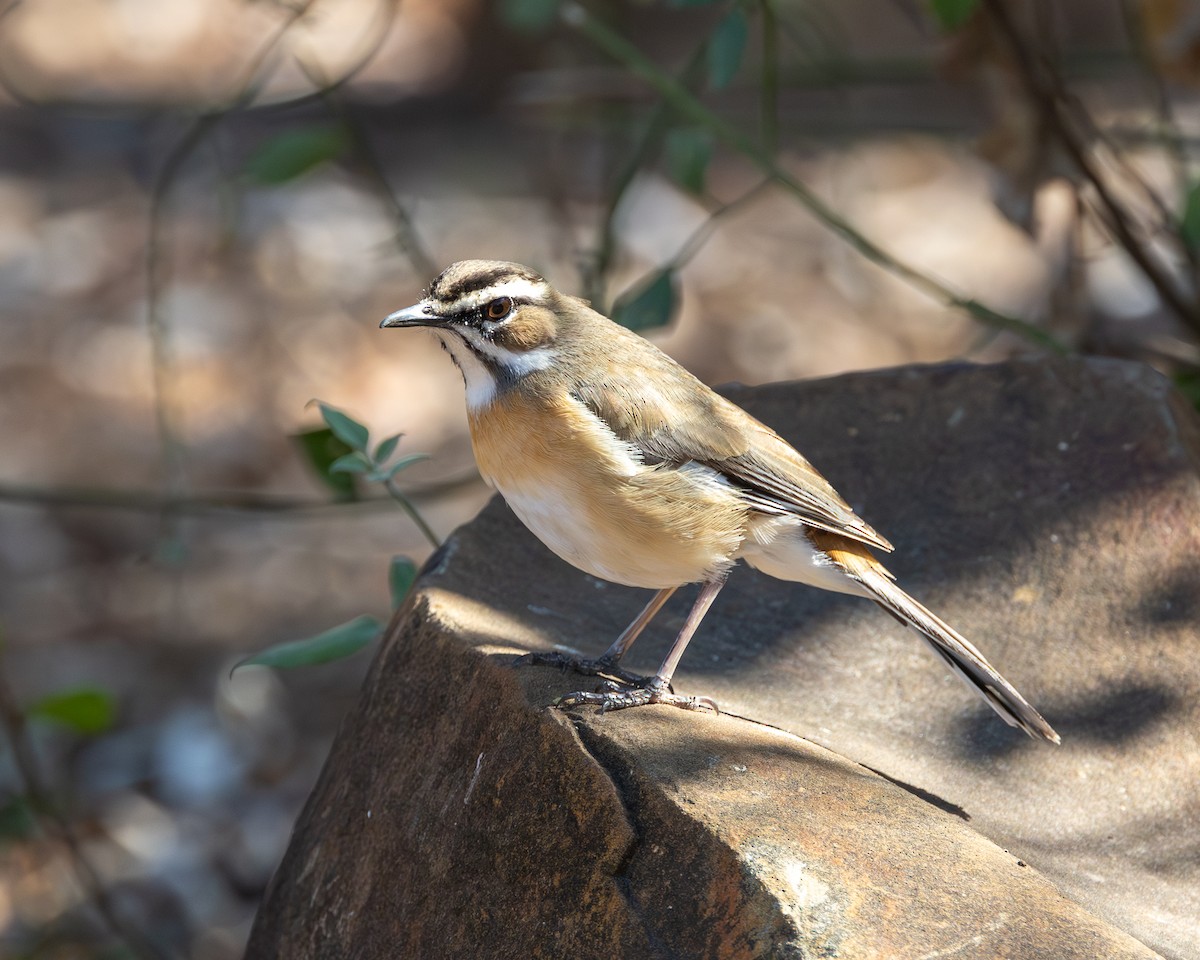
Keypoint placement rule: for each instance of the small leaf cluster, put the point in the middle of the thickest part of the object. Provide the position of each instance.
(687, 153)
(341, 641)
(340, 451)
(952, 14)
(651, 303)
(373, 465)
(336, 643)
(293, 153)
(1189, 227)
(85, 710)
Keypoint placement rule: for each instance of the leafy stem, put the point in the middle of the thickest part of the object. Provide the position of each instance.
(375, 464)
(685, 103)
(407, 505)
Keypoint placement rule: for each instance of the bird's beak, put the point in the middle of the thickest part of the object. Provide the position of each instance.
(418, 315)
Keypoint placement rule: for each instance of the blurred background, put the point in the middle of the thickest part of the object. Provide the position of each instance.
(206, 207)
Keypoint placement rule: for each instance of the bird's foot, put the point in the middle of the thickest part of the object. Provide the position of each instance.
(652, 690)
(600, 667)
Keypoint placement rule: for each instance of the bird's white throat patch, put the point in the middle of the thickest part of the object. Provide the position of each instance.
(481, 382)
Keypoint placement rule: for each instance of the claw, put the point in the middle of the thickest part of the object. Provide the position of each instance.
(599, 667)
(617, 699)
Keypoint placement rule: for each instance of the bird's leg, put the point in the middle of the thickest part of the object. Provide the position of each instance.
(657, 689)
(608, 663)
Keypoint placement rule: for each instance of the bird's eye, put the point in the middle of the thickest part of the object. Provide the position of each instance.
(498, 309)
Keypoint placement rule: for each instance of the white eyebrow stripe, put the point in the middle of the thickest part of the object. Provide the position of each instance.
(518, 288)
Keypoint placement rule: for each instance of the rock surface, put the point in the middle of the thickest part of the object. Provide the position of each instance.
(1049, 509)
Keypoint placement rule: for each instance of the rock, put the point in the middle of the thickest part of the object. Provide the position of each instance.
(1049, 509)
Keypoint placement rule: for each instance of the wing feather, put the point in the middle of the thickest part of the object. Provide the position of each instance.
(672, 418)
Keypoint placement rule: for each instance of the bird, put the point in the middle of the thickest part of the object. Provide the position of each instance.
(631, 469)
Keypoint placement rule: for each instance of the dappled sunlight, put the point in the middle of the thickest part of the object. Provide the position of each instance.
(206, 208)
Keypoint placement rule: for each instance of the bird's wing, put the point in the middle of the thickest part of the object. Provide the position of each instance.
(672, 418)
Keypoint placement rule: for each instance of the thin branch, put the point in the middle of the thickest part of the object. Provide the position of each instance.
(1169, 130)
(408, 240)
(406, 236)
(407, 505)
(597, 271)
(1050, 60)
(234, 501)
(700, 236)
(169, 442)
(674, 93)
(1184, 306)
(58, 827)
(769, 103)
(1169, 124)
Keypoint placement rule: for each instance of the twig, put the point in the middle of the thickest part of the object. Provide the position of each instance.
(769, 104)
(235, 501)
(402, 498)
(1082, 116)
(246, 91)
(699, 237)
(58, 827)
(1168, 125)
(169, 441)
(405, 235)
(596, 272)
(683, 101)
(1117, 217)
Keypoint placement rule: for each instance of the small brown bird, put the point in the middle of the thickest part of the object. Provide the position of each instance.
(632, 470)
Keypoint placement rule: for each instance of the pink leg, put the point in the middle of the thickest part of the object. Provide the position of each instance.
(608, 663)
(621, 645)
(658, 688)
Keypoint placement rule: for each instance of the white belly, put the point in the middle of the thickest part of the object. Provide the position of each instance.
(555, 518)
(778, 547)
(589, 497)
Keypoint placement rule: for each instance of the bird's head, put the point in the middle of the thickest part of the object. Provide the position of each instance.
(498, 321)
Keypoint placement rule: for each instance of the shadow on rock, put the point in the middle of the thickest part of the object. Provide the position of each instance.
(1109, 717)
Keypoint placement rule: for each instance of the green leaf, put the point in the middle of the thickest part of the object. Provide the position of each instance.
(386, 448)
(351, 463)
(86, 710)
(334, 644)
(322, 450)
(952, 14)
(1188, 383)
(725, 48)
(401, 575)
(529, 16)
(289, 154)
(648, 304)
(1190, 227)
(352, 433)
(17, 820)
(384, 474)
(402, 464)
(689, 151)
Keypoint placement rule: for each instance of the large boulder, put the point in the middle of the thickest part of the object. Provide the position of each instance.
(1048, 509)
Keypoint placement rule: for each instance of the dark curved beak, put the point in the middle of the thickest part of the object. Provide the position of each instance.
(418, 315)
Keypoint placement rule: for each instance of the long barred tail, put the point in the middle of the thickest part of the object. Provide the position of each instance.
(949, 644)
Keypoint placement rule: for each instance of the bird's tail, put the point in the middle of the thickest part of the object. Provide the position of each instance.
(947, 642)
